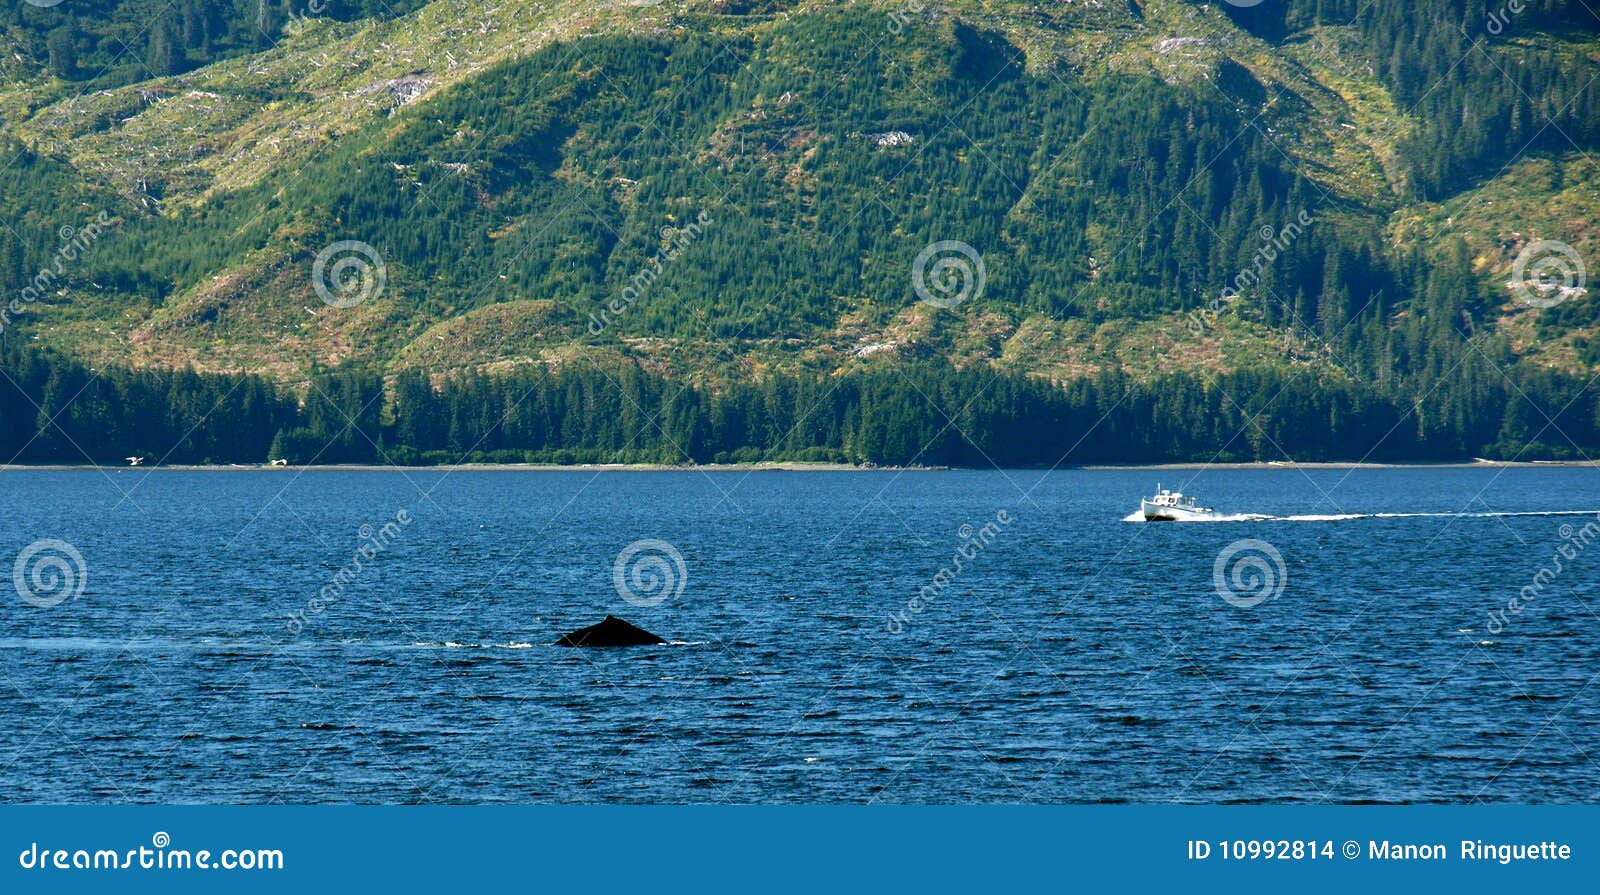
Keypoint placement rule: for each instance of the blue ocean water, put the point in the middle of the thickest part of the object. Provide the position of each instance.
(887, 636)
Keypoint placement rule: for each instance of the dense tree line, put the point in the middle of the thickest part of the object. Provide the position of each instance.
(55, 410)
(564, 174)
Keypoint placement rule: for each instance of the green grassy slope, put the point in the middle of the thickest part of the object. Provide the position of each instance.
(517, 166)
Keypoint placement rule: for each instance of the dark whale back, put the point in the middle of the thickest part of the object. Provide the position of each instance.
(612, 631)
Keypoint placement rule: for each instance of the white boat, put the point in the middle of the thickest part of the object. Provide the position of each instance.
(1171, 506)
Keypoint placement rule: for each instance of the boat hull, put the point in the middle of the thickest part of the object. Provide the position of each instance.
(1155, 512)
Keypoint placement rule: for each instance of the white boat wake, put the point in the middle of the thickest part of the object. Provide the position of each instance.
(1343, 517)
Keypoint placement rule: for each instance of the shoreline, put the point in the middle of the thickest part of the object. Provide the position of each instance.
(803, 467)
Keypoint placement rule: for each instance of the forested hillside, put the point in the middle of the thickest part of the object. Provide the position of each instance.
(951, 232)
(105, 43)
